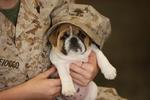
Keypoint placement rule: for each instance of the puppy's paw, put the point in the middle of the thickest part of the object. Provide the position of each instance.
(110, 73)
(68, 90)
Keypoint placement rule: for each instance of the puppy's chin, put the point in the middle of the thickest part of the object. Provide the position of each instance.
(76, 52)
(72, 51)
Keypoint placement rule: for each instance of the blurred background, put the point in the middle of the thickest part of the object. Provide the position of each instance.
(128, 46)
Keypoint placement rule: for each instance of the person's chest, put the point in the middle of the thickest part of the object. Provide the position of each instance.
(24, 52)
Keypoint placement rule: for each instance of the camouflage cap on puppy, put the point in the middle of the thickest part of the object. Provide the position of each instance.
(86, 17)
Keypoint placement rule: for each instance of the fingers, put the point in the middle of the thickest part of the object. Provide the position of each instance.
(54, 82)
(88, 67)
(81, 72)
(92, 59)
(54, 87)
(91, 69)
(47, 73)
(76, 75)
(77, 78)
(55, 91)
(79, 75)
(80, 82)
(92, 64)
(78, 63)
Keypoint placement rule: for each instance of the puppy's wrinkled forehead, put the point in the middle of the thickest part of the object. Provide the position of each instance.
(69, 28)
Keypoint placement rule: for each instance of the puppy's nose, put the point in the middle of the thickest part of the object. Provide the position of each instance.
(73, 40)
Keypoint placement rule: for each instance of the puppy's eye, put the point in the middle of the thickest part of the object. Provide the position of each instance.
(81, 35)
(65, 36)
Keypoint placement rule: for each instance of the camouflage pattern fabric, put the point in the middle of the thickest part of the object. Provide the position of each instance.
(94, 24)
(105, 93)
(24, 49)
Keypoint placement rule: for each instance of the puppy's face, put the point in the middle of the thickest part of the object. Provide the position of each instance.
(69, 39)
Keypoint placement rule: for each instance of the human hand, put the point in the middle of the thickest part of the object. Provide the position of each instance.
(83, 73)
(37, 88)
(41, 87)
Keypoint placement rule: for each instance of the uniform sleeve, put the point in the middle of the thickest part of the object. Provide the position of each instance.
(105, 93)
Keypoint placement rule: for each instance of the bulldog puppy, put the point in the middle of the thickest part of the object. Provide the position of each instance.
(71, 44)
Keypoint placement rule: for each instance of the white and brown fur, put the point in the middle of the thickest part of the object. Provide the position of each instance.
(70, 44)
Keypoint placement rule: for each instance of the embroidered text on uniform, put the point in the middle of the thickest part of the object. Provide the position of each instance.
(9, 63)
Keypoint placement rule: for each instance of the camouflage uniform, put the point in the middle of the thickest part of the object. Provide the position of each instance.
(24, 49)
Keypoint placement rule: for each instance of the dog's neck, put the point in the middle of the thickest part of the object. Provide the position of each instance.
(59, 54)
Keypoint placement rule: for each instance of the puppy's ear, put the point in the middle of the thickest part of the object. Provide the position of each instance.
(53, 37)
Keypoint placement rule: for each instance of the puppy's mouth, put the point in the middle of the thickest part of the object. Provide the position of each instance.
(74, 46)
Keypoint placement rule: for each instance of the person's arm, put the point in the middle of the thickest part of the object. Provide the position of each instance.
(39, 87)
(83, 73)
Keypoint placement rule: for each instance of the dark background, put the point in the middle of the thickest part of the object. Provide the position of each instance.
(128, 46)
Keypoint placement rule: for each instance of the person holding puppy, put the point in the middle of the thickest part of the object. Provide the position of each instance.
(24, 53)
(25, 68)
